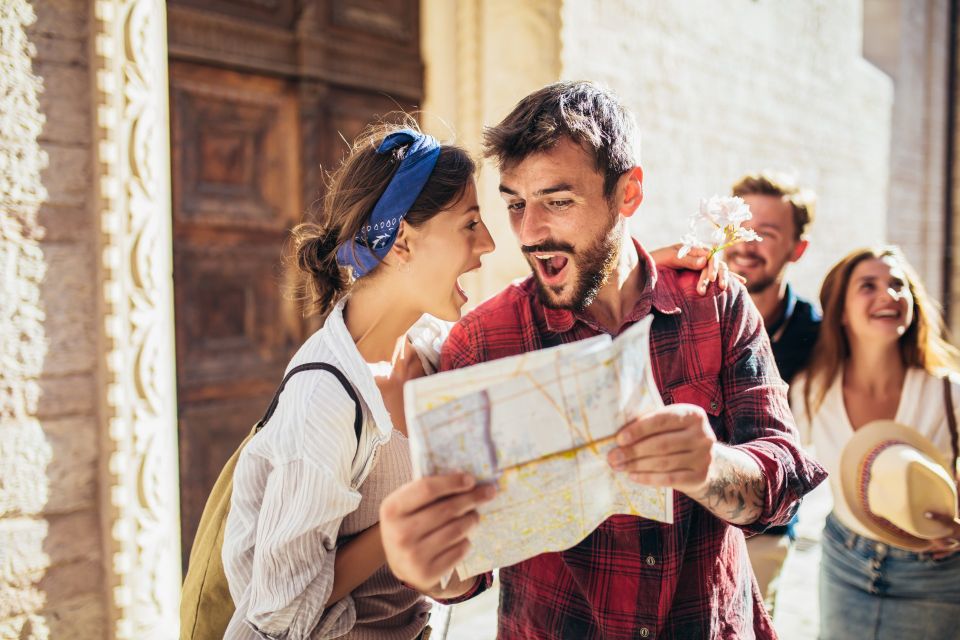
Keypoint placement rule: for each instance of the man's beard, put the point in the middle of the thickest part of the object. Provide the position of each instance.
(594, 266)
(761, 284)
(758, 284)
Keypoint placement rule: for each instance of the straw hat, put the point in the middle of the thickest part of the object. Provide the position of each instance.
(891, 475)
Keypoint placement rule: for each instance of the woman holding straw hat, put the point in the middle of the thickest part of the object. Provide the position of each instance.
(890, 566)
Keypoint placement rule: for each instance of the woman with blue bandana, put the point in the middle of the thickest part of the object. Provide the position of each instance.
(302, 552)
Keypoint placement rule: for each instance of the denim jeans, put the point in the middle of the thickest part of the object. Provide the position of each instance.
(870, 590)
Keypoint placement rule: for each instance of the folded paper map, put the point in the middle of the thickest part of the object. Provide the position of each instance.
(539, 425)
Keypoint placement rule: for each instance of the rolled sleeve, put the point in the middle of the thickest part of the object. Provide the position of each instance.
(757, 416)
(483, 582)
(295, 552)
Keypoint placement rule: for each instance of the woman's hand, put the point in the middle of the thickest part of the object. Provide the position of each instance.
(948, 544)
(714, 270)
(357, 559)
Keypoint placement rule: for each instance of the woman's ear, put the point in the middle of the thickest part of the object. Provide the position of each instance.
(632, 191)
(402, 250)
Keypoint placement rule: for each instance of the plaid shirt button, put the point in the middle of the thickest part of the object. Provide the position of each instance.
(651, 560)
(644, 632)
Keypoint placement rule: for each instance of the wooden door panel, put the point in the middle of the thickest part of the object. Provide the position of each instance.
(279, 13)
(235, 328)
(350, 111)
(262, 94)
(211, 430)
(234, 149)
(393, 19)
(236, 186)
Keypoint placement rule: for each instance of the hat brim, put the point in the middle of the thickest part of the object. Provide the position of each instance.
(860, 444)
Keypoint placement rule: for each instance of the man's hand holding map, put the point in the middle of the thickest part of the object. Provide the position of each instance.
(539, 426)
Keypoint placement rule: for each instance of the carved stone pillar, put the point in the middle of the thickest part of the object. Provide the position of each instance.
(138, 477)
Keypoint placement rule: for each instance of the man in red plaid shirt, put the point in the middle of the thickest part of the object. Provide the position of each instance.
(725, 442)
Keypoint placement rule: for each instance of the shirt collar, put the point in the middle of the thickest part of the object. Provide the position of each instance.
(651, 297)
(790, 305)
(355, 368)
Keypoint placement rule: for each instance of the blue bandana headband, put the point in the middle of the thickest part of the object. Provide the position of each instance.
(374, 240)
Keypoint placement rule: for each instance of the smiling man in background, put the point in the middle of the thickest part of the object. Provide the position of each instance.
(782, 213)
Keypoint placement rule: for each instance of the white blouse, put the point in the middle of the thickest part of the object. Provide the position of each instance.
(922, 406)
(297, 480)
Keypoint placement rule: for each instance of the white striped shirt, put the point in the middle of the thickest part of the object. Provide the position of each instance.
(296, 482)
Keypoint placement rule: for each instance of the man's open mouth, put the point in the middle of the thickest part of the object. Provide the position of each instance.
(551, 267)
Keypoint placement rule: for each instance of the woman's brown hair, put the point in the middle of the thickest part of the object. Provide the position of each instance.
(923, 345)
(352, 191)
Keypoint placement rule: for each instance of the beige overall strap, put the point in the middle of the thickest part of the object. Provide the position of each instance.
(951, 420)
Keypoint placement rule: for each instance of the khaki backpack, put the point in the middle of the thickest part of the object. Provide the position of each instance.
(205, 603)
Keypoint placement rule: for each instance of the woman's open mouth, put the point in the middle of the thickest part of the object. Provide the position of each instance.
(886, 314)
(551, 267)
(459, 287)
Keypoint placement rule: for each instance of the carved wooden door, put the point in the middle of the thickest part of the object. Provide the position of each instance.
(235, 194)
(260, 94)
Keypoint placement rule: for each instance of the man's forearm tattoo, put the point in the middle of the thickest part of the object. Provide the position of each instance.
(736, 492)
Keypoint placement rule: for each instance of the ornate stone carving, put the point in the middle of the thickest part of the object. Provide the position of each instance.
(141, 523)
(25, 451)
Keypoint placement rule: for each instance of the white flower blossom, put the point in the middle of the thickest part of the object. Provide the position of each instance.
(716, 226)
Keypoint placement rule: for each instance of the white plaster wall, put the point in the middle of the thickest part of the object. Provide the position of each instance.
(718, 89)
(481, 57)
(909, 40)
(722, 88)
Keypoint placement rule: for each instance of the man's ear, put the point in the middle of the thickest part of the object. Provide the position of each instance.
(799, 249)
(632, 191)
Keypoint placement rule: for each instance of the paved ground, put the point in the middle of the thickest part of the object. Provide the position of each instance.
(797, 609)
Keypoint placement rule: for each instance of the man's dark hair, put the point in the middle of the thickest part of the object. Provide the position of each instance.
(584, 112)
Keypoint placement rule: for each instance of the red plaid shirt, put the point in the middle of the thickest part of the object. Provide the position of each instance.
(637, 578)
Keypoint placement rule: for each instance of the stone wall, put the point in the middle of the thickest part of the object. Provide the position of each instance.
(954, 307)
(849, 95)
(51, 576)
(908, 40)
(720, 89)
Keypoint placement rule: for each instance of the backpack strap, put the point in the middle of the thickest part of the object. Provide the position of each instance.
(951, 420)
(313, 366)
